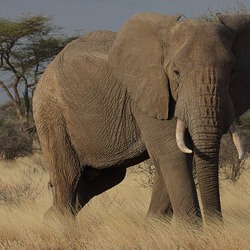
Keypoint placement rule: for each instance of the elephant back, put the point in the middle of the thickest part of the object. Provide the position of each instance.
(73, 73)
(95, 42)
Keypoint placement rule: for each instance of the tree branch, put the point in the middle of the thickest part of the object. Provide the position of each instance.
(6, 58)
(6, 90)
(14, 87)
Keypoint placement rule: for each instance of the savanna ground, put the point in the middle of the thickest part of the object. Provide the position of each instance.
(113, 220)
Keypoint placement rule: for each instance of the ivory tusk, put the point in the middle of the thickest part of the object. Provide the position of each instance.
(237, 141)
(180, 137)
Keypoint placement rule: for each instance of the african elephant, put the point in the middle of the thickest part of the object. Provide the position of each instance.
(161, 88)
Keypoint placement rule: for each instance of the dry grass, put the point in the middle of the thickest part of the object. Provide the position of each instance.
(113, 220)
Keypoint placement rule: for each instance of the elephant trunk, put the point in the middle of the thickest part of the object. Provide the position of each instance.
(206, 140)
(206, 155)
(207, 114)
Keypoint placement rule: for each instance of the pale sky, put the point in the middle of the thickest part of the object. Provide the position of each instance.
(89, 15)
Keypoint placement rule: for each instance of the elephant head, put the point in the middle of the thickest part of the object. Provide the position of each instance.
(191, 70)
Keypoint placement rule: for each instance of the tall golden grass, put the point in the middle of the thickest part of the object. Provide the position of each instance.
(113, 220)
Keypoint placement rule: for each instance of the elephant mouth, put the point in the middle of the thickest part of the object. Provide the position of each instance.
(180, 138)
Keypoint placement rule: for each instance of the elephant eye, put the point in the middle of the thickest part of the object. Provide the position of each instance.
(176, 72)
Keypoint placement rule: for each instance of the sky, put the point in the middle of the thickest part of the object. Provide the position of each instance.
(81, 16)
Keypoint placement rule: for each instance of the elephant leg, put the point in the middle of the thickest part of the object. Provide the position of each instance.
(62, 164)
(160, 204)
(94, 182)
(178, 178)
(63, 184)
(175, 168)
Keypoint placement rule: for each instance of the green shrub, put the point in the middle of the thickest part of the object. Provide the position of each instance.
(244, 124)
(13, 142)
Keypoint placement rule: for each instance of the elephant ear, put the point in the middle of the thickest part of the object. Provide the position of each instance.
(137, 61)
(240, 86)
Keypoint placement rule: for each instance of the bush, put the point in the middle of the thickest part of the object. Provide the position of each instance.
(13, 142)
(244, 124)
(147, 171)
(15, 194)
(228, 153)
(230, 164)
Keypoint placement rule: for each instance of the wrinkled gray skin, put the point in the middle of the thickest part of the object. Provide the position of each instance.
(109, 101)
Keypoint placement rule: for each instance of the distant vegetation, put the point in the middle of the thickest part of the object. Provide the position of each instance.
(14, 141)
(238, 8)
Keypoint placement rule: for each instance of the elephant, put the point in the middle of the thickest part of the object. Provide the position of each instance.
(162, 88)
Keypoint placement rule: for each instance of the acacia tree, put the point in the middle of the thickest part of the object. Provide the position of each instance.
(27, 45)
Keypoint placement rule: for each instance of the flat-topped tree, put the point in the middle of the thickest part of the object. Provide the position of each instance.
(27, 45)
